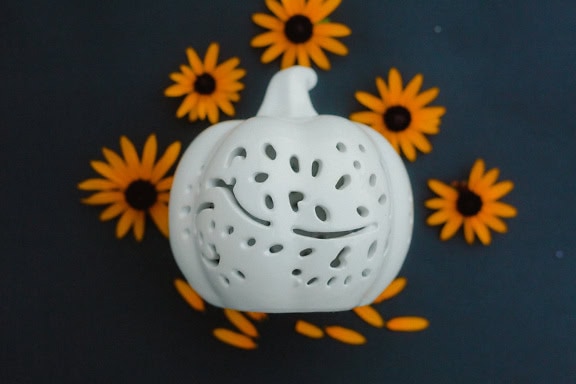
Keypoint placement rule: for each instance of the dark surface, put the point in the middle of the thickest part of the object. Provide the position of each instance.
(77, 305)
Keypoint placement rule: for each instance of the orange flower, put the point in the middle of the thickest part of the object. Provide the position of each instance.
(299, 31)
(473, 204)
(132, 187)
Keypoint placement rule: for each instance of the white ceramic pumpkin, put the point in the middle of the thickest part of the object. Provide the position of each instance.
(290, 211)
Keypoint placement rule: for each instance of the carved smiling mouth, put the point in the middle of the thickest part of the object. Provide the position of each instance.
(229, 189)
(334, 234)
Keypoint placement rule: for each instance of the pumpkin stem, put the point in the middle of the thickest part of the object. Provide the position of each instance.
(287, 94)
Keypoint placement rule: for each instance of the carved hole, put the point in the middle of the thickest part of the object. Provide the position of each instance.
(340, 259)
(343, 182)
(357, 164)
(331, 281)
(306, 252)
(205, 205)
(295, 164)
(251, 241)
(186, 233)
(212, 225)
(321, 213)
(366, 272)
(185, 211)
(341, 147)
(261, 177)
(312, 281)
(362, 211)
(316, 165)
(361, 148)
(240, 274)
(276, 248)
(237, 152)
(225, 281)
(270, 152)
(372, 249)
(296, 272)
(382, 199)
(348, 280)
(229, 229)
(372, 180)
(294, 198)
(269, 202)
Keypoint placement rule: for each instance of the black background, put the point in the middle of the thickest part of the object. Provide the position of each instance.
(77, 305)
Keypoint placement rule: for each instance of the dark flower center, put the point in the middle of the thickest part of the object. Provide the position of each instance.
(468, 203)
(141, 195)
(397, 118)
(298, 29)
(205, 84)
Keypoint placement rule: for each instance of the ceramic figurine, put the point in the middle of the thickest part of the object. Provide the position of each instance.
(290, 211)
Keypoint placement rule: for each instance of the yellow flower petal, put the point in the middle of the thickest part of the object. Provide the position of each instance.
(166, 161)
(370, 102)
(413, 88)
(277, 9)
(498, 190)
(177, 90)
(165, 184)
(407, 324)
(234, 339)
(499, 209)
(369, 315)
(195, 62)
(318, 56)
(293, 7)
(188, 104)
(440, 217)
(476, 173)
(103, 198)
(125, 223)
(425, 97)
(258, 316)
(159, 214)
(468, 231)
(289, 57)
(481, 230)
(302, 55)
(394, 83)
(326, 9)
(113, 211)
(331, 45)
(443, 190)
(345, 335)
(190, 295)
(130, 155)
(438, 203)
(308, 329)
(149, 157)
(266, 38)
(241, 322)
(98, 185)
(392, 290)
(211, 57)
(493, 222)
(331, 30)
(451, 227)
(138, 227)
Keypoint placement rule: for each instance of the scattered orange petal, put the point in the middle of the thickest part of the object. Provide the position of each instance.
(241, 322)
(234, 339)
(369, 315)
(308, 329)
(407, 324)
(190, 295)
(392, 290)
(345, 335)
(258, 316)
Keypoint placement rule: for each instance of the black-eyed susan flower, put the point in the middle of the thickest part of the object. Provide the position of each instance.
(133, 187)
(208, 87)
(471, 204)
(400, 114)
(300, 32)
